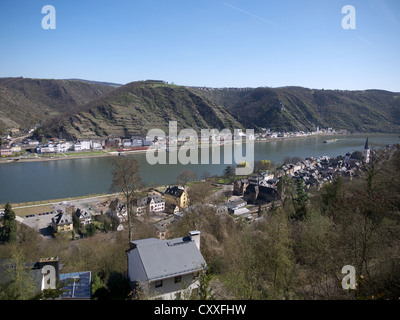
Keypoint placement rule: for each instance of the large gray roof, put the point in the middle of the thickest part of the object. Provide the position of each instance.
(168, 258)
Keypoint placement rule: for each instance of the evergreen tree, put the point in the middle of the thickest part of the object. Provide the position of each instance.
(75, 220)
(9, 230)
(300, 201)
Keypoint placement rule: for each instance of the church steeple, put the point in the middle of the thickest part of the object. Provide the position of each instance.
(366, 152)
(366, 145)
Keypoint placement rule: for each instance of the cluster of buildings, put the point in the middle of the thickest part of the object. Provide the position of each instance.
(62, 221)
(55, 145)
(156, 268)
(62, 146)
(262, 187)
(173, 200)
(267, 133)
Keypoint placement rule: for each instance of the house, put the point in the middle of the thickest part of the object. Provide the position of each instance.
(31, 142)
(165, 268)
(118, 210)
(151, 203)
(137, 141)
(63, 147)
(85, 144)
(261, 178)
(126, 143)
(84, 217)
(255, 194)
(4, 152)
(62, 222)
(172, 209)
(237, 207)
(49, 148)
(177, 196)
(16, 148)
(96, 145)
(77, 147)
(156, 203)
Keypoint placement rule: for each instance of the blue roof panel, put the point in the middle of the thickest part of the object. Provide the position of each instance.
(79, 288)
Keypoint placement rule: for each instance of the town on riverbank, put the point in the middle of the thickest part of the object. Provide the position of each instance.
(19, 146)
(250, 200)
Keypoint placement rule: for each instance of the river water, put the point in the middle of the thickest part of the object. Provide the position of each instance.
(44, 180)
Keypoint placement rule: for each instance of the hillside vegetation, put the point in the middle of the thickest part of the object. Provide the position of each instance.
(82, 109)
(140, 106)
(26, 102)
(296, 108)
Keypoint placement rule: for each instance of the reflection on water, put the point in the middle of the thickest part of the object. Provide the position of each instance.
(32, 181)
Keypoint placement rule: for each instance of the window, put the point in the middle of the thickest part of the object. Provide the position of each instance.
(178, 279)
(158, 283)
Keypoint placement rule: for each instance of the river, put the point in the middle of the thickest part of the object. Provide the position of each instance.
(45, 180)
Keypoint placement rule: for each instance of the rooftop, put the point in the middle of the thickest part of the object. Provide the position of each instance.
(167, 258)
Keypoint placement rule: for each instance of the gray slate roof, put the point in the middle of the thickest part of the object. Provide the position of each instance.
(163, 259)
(62, 218)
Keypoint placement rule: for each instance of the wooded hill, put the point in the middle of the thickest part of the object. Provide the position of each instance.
(78, 109)
(27, 102)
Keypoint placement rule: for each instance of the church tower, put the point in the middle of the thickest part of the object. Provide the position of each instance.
(366, 152)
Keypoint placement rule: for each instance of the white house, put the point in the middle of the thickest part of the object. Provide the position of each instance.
(84, 217)
(85, 144)
(151, 203)
(118, 210)
(237, 207)
(46, 149)
(165, 268)
(96, 145)
(63, 147)
(156, 203)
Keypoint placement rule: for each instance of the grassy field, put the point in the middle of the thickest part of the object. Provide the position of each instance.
(73, 154)
(22, 212)
(36, 207)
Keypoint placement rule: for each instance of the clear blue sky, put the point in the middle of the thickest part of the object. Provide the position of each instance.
(215, 43)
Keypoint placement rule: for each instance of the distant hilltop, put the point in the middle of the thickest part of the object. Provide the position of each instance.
(78, 109)
(110, 84)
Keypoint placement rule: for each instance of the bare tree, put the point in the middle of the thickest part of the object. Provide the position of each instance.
(127, 180)
(186, 176)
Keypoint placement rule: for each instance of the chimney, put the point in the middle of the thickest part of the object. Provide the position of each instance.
(54, 262)
(195, 236)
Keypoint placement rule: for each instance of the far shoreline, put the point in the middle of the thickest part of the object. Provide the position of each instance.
(115, 153)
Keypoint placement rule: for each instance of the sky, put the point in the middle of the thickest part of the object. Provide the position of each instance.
(213, 43)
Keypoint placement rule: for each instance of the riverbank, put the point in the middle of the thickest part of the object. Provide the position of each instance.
(104, 153)
(43, 180)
